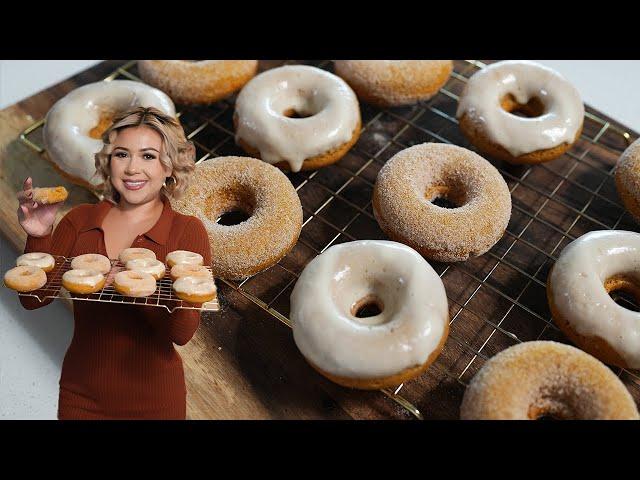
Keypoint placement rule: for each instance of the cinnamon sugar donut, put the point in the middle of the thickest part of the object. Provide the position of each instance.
(388, 83)
(47, 195)
(536, 379)
(92, 261)
(147, 265)
(178, 257)
(135, 252)
(259, 190)
(83, 281)
(195, 289)
(187, 270)
(134, 284)
(412, 179)
(194, 82)
(627, 176)
(41, 260)
(25, 278)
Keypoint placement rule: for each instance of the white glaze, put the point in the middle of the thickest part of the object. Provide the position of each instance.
(147, 265)
(83, 276)
(564, 110)
(91, 261)
(132, 253)
(577, 284)
(403, 335)
(183, 256)
(36, 259)
(139, 284)
(195, 285)
(68, 123)
(332, 104)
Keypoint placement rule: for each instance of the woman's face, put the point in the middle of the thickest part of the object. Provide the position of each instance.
(136, 170)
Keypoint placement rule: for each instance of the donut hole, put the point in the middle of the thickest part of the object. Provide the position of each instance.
(233, 217)
(104, 122)
(625, 291)
(369, 306)
(532, 109)
(231, 207)
(445, 196)
(293, 113)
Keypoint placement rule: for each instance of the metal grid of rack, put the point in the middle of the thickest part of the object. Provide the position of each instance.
(495, 300)
(163, 297)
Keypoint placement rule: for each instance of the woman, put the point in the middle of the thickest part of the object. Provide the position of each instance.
(121, 362)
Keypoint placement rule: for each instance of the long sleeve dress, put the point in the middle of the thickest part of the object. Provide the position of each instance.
(121, 363)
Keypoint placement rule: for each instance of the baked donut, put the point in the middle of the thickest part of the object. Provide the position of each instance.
(193, 82)
(546, 379)
(134, 284)
(195, 289)
(255, 188)
(578, 287)
(390, 83)
(25, 278)
(47, 195)
(147, 265)
(409, 183)
(178, 257)
(135, 252)
(92, 261)
(42, 260)
(187, 270)
(627, 177)
(297, 117)
(83, 281)
(398, 342)
(74, 125)
(520, 112)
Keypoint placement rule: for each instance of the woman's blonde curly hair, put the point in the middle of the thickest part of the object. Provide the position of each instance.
(178, 153)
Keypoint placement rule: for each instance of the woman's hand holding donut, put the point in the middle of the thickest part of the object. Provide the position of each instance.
(36, 219)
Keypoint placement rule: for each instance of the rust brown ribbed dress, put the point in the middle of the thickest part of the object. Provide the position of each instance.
(122, 363)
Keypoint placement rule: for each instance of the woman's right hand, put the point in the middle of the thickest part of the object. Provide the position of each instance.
(36, 219)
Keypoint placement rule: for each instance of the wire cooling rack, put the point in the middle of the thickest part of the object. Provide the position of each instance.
(496, 300)
(163, 297)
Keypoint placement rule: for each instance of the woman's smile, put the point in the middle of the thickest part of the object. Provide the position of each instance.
(134, 185)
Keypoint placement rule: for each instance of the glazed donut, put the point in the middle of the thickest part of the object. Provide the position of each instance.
(92, 261)
(134, 284)
(378, 351)
(389, 83)
(25, 278)
(133, 253)
(195, 289)
(83, 281)
(627, 176)
(206, 81)
(187, 270)
(181, 257)
(492, 97)
(259, 190)
(537, 379)
(267, 127)
(412, 179)
(578, 287)
(47, 195)
(74, 126)
(147, 265)
(37, 259)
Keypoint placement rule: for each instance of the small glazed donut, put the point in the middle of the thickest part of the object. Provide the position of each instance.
(83, 281)
(369, 352)
(178, 257)
(37, 259)
(627, 176)
(552, 108)
(411, 180)
(134, 284)
(537, 379)
(25, 278)
(297, 117)
(195, 82)
(578, 287)
(74, 126)
(47, 195)
(255, 188)
(187, 270)
(92, 261)
(389, 83)
(195, 289)
(147, 265)
(133, 253)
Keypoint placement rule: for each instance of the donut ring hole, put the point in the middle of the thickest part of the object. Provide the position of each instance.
(551, 406)
(368, 306)
(444, 196)
(232, 206)
(532, 109)
(299, 103)
(104, 122)
(624, 290)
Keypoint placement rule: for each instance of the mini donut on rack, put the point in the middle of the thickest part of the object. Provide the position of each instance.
(195, 289)
(42, 260)
(83, 281)
(134, 284)
(297, 117)
(183, 257)
(25, 278)
(147, 265)
(627, 175)
(390, 83)
(48, 195)
(135, 252)
(189, 270)
(92, 261)
(197, 82)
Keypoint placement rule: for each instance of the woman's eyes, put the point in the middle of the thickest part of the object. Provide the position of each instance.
(121, 154)
(146, 156)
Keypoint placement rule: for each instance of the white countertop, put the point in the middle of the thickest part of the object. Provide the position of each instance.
(33, 344)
